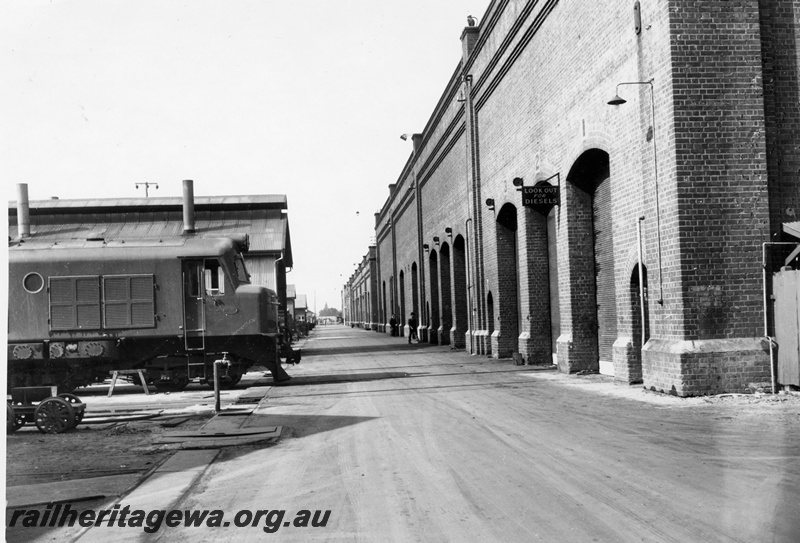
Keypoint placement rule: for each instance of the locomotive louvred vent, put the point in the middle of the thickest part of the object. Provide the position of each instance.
(128, 301)
(75, 303)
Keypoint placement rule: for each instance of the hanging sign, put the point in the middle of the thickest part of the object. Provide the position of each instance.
(542, 197)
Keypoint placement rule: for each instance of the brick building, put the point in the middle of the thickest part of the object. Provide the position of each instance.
(650, 265)
(361, 298)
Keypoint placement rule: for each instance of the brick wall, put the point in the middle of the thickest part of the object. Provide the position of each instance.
(721, 204)
(704, 156)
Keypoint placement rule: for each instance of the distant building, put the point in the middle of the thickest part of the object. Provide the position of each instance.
(300, 308)
(362, 295)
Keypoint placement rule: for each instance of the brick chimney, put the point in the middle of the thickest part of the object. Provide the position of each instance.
(469, 37)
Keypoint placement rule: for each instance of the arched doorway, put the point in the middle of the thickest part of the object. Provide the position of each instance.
(403, 318)
(446, 311)
(508, 284)
(433, 312)
(538, 279)
(591, 246)
(460, 294)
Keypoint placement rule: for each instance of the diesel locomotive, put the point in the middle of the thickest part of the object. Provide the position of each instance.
(80, 309)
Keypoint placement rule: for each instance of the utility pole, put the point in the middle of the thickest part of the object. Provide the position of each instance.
(146, 188)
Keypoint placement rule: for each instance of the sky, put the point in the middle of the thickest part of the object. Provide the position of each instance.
(303, 98)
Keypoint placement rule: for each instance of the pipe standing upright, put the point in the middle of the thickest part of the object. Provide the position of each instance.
(23, 212)
(188, 206)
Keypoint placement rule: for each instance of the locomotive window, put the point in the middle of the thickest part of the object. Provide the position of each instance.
(214, 278)
(241, 270)
(193, 282)
(33, 283)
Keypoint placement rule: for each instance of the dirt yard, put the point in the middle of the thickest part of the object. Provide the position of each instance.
(96, 450)
(88, 451)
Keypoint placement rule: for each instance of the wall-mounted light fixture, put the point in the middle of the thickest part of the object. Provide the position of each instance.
(490, 203)
(617, 100)
(449, 232)
(436, 240)
(404, 137)
(426, 247)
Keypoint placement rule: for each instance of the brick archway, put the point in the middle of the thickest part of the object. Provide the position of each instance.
(505, 343)
(592, 315)
(433, 311)
(460, 295)
(446, 301)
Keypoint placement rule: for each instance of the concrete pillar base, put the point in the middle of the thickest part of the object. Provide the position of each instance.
(702, 367)
(444, 336)
(533, 351)
(482, 342)
(458, 339)
(502, 346)
(627, 361)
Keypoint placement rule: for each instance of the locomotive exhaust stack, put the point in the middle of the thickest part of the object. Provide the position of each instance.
(188, 206)
(23, 211)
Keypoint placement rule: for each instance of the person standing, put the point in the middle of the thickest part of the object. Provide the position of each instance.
(393, 326)
(412, 327)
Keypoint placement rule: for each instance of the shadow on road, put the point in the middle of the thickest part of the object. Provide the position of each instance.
(343, 378)
(313, 350)
(304, 425)
(503, 384)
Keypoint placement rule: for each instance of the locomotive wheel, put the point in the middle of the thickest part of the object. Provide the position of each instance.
(73, 399)
(54, 415)
(13, 423)
(19, 419)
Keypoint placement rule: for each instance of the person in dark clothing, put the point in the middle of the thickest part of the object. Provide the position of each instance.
(412, 327)
(393, 326)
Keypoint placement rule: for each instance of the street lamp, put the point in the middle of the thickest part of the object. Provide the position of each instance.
(617, 100)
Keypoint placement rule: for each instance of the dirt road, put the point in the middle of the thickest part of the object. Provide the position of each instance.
(417, 443)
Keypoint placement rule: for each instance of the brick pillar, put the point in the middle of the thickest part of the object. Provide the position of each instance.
(577, 345)
(535, 341)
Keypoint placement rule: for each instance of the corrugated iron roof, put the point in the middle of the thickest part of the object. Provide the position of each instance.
(260, 201)
(268, 226)
(290, 291)
(300, 302)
